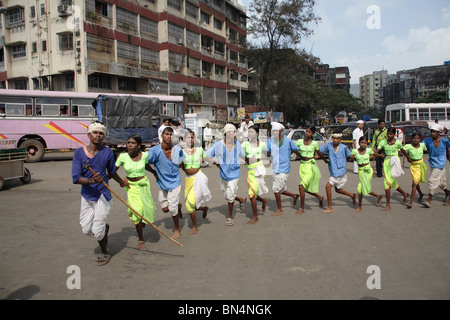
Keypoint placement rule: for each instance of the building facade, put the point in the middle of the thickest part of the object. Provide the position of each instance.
(370, 89)
(170, 47)
(335, 78)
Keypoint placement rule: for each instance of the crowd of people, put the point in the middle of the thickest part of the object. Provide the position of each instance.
(165, 160)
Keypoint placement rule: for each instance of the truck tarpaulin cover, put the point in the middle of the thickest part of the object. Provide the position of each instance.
(127, 115)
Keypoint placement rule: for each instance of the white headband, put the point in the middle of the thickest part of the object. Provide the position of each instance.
(96, 126)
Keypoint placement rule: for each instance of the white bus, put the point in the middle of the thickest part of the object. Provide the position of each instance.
(427, 112)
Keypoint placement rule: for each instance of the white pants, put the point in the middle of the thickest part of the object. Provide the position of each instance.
(229, 189)
(170, 199)
(338, 182)
(280, 182)
(93, 216)
(437, 179)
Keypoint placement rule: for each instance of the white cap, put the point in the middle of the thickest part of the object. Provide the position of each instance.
(436, 127)
(360, 122)
(277, 126)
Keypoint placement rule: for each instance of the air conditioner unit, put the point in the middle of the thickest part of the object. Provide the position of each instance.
(180, 41)
(64, 9)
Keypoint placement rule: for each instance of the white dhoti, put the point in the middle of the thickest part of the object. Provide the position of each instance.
(229, 189)
(170, 199)
(437, 179)
(93, 216)
(338, 182)
(280, 182)
(201, 190)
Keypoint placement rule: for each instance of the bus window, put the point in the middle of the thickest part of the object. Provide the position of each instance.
(38, 110)
(2, 109)
(29, 109)
(15, 109)
(395, 115)
(64, 111)
(413, 114)
(168, 109)
(86, 111)
(438, 114)
(424, 114)
(74, 111)
(50, 110)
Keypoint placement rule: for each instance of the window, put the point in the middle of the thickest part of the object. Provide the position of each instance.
(149, 28)
(127, 51)
(70, 82)
(425, 132)
(191, 10)
(149, 56)
(42, 9)
(126, 20)
(438, 113)
(424, 114)
(204, 17)
(101, 45)
(19, 51)
(412, 114)
(44, 45)
(217, 24)
(32, 12)
(176, 4)
(14, 17)
(34, 47)
(168, 109)
(66, 41)
(98, 81)
(127, 84)
(101, 8)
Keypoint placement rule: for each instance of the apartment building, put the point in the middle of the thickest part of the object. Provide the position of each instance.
(370, 88)
(138, 46)
(335, 78)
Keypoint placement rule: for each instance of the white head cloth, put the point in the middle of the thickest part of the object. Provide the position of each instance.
(336, 135)
(360, 122)
(96, 126)
(277, 126)
(436, 127)
(229, 127)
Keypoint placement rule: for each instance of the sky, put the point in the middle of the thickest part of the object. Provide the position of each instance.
(374, 35)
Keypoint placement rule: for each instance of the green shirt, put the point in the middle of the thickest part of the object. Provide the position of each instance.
(251, 151)
(194, 160)
(390, 150)
(307, 151)
(133, 169)
(415, 153)
(362, 158)
(378, 136)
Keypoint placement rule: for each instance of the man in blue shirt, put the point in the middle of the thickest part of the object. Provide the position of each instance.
(95, 197)
(167, 159)
(228, 152)
(280, 149)
(338, 154)
(438, 151)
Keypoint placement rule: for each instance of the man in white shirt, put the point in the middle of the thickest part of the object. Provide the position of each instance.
(207, 135)
(357, 133)
(243, 129)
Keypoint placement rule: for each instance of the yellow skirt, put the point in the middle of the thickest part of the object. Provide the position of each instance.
(418, 171)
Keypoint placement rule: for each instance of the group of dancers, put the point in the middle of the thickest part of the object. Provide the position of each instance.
(168, 158)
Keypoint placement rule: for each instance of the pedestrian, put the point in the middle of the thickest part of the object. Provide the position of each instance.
(338, 154)
(196, 190)
(243, 128)
(357, 133)
(391, 166)
(139, 196)
(96, 199)
(309, 172)
(254, 151)
(362, 157)
(167, 158)
(279, 148)
(418, 167)
(161, 128)
(228, 151)
(379, 135)
(207, 135)
(438, 153)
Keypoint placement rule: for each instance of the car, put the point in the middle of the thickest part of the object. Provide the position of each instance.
(296, 134)
(347, 129)
(405, 132)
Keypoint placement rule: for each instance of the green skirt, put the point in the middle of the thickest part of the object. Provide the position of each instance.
(140, 199)
(309, 176)
(365, 178)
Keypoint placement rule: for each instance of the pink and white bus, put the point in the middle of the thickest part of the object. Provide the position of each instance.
(45, 121)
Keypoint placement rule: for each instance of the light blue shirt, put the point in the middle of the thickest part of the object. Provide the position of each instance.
(337, 160)
(230, 169)
(281, 156)
(167, 170)
(437, 156)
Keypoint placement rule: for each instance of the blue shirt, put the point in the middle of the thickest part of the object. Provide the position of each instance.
(437, 156)
(103, 162)
(230, 169)
(167, 170)
(337, 160)
(281, 156)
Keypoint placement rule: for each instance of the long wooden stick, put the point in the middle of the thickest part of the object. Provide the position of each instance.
(135, 212)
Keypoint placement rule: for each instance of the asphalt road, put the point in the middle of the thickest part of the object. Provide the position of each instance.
(342, 255)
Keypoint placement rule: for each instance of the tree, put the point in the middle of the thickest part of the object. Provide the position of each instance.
(335, 101)
(435, 97)
(275, 25)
